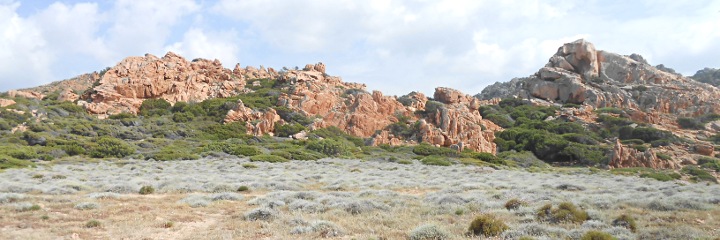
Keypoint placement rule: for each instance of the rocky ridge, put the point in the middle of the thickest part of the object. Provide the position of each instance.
(310, 91)
(580, 74)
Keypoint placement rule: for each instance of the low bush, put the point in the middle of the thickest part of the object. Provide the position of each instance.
(663, 177)
(154, 107)
(244, 150)
(429, 232)
(698, 174)
(330, 147)
(663, 156)
(436, 160)
(93, 224)
(565, 212)
(514, 203)
(287, 130)
(710, 163)
(170, 153)
(625, 221)
(7, 162)
(122, 115)
(111, 147)
(262, 214)
(690, 123)
(145, 190)
(597, 235)
(426, 149)
(487, 225)
(267, 158)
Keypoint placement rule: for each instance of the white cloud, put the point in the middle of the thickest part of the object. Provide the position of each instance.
(21, 50)
(392, 45)
(140, 27)
(198, 44)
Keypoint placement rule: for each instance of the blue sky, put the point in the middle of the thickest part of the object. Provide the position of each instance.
(395, 46)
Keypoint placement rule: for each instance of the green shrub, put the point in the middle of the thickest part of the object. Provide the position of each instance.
(267, 158)
(73, 149)
(633, 141)
(436, 160)
(249, 165)
(182, 117)
(663, 156)
(338, 134)
(287, 130)
(663, 177)
(145, 190)
(504, 121)
(710, 163)
(122, 115)
(216, 131)
(661, 142)
(487, 225)
(649, 134)
(173, 153)
(244, 150)
(426, 149)
(24, 153)
(154, 107)
(432, 107)
(565, 212)
(625, 221)
(514, 204)
(610, 110)
(690, 123)
(640, 148)
(597, 235)
(111, 147)
(698, 174)
(330, 147)
(10, 162)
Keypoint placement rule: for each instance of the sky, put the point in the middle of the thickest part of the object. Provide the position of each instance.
(395, 46)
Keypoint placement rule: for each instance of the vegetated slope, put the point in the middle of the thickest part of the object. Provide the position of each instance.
(647, 116)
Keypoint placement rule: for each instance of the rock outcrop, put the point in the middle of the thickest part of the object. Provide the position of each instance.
(6, 102)
(25, 94)
(68, 95)
(350, 107)
(624, 157)
(124, 87)
(256, 122)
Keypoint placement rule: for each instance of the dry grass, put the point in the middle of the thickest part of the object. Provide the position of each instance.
(326, 199)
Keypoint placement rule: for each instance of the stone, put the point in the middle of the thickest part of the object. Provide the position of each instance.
(704, 149)
(68, 95)
(6, 102)
(25, 94)
(625, 157)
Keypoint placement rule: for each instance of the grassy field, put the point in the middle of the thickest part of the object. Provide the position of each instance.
(234, 198)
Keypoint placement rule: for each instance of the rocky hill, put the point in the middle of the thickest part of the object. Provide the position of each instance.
(584, 80)
(583, 107)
